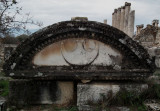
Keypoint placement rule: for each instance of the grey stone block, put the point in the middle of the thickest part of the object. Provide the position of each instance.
(94, 93)
(2, 104)
(40, 92)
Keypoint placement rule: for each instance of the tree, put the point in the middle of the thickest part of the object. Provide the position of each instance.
(10, 40)
(22, 37)
(9, 18)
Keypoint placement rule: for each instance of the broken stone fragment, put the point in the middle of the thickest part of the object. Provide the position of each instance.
(85, 81)
(79, 19)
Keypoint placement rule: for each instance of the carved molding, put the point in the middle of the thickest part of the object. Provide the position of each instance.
(136, 57)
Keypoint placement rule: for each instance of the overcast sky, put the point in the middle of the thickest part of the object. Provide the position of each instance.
(52, 11)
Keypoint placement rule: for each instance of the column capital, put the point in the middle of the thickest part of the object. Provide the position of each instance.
(127, 4)
(140, 26)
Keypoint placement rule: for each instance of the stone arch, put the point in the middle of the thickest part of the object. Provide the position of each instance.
(136, 61)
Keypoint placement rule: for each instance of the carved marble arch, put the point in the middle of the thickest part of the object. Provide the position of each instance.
(79, 50)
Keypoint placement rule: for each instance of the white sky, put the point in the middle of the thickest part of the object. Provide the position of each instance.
(52, 11)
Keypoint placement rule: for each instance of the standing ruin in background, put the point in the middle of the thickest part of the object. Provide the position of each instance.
(149, 37)
(5, 52)
(49, 66)
(123, 19)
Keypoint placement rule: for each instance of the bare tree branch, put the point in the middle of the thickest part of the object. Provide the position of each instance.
(8, 18)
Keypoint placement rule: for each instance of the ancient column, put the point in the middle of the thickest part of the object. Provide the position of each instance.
(105, 21)
(155, 22)
(118, 17)
(122, 19)
(127, 10)
(139, 28)
(131, 23)
(115, 18)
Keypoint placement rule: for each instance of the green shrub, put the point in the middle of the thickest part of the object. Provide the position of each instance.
(4, 88)
(142, 107)
(153, 92)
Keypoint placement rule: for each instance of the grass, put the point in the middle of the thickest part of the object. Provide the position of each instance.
(4, 88)
(133, 100)
(73, 108)
(128, 98)
(153, 92)
(49, 108)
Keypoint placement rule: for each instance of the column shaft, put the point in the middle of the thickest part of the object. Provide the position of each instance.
(118, 18)
(131, 23)
(122, 19)
(127, 10)
(113, 20)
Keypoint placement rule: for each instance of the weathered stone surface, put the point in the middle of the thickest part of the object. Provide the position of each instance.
(75, 50)
(40, 92)
(105, 21)
(3, 104)
(139, 28)
(118, 17)
(79, 19)
(78, 52)
(5, 52)
(131, 20)
(96, 92)
(152, 105)
(113, 17)
(157, 62)
(155, 52)
(120, 109)
(126, 17)
(8, 50)
(134, 64)
(148, 36)
(122, 19)
(155, 22)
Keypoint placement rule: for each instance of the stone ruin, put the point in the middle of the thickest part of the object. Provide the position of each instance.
(123, 19)
(148, 36)
(5, 52)
(55, 64)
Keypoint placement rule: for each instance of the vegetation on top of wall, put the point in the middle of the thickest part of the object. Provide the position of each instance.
(22, 37)
(10, 40)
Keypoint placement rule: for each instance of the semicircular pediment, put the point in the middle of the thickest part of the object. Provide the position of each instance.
(73, 49)
(78, 51)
